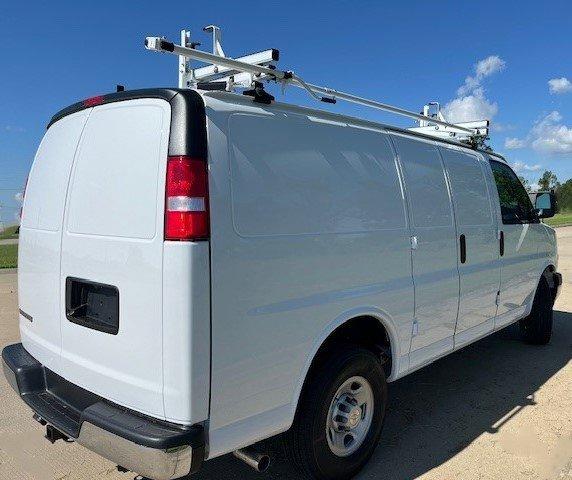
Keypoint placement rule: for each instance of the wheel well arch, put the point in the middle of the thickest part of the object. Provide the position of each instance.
(365, 331)
(371, 330)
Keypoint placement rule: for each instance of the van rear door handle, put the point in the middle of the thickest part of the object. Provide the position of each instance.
(501, 243)
(463, 245)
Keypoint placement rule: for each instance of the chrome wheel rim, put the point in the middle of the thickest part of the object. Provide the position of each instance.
(350, 416)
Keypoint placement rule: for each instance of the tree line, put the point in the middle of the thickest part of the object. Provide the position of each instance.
(548, 181)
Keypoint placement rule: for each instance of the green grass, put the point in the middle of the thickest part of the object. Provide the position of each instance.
(559, 220)
(9, 232)
(8, 256)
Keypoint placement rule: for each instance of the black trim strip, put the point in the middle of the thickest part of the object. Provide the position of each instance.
(165, 94)
(25, 315)
(188, 117)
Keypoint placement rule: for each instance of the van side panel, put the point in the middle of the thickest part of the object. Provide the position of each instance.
(316, 234)
(40, 239)
(435, 270)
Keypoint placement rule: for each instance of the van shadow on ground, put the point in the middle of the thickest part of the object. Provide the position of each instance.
(437, 412)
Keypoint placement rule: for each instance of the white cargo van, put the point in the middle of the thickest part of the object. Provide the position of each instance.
(199, 271)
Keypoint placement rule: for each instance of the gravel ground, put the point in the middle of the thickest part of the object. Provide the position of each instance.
(497, 409)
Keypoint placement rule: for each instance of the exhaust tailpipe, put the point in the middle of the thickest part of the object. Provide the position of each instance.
(259, 461)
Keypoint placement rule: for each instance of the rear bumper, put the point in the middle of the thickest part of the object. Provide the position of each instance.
(150, 447)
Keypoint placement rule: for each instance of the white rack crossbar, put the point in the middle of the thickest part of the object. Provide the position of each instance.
(214, 72)
(248, 71)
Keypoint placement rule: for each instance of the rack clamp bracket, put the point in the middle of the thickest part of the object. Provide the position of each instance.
(260, 95)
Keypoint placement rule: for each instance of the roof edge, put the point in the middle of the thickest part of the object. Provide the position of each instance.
(163, 93)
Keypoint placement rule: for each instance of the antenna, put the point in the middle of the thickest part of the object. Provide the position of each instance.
(251, 71)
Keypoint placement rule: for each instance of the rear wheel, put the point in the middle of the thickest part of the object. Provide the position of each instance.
(536, 329)
(340, 415)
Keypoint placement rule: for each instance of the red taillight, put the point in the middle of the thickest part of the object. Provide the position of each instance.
(93, 101)
(186, 199)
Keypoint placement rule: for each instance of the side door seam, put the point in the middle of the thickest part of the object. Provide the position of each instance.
(410, 228)
(455, 223)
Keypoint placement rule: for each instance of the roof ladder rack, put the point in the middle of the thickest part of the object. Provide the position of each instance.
(456, 131)
(251, 71)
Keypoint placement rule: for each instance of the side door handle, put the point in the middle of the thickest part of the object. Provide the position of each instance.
(463, 245)
(501, 243)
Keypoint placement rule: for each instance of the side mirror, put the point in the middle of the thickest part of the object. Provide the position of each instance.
(544, 204)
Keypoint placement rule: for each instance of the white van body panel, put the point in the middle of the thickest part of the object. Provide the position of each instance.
(529, 249)
(520, 266)
(476, 219)
(435, 269)
(283, 270)
(124, 247)
(271, 213)
(186, 331)
(39, 254)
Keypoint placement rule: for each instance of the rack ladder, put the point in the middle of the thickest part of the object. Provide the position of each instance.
(249, 72)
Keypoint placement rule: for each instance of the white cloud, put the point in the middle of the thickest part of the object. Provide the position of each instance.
(534, 187)
(471, 102)
(523, 167)
(512, 143)
(13, 129)
(470, 108)
(549, 135)
(559, 85)
(489, 65)
(502, 127)
(483, 68)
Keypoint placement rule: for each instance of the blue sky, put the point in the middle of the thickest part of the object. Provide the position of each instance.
(404, 53)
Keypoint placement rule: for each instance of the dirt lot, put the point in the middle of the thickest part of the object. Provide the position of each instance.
(498, 409)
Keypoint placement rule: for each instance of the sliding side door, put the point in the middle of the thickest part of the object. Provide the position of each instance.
(435, 272)
(478, 244)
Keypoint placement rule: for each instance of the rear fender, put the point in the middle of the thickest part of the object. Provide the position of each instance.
(374, 312)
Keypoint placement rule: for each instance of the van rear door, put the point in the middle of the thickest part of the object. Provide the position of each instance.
(40, 239)
(112, 254)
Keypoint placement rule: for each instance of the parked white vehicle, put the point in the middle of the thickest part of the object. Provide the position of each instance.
(199, 271)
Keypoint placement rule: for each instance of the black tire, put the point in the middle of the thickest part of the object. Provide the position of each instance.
(536, 329)
(306, 442)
